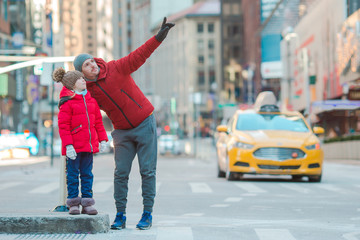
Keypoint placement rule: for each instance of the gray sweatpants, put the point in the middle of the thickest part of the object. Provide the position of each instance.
(142, 141)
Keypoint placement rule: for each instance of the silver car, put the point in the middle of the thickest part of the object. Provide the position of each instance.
(169, 144)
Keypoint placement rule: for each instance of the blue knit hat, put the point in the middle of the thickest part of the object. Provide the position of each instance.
(80, 59)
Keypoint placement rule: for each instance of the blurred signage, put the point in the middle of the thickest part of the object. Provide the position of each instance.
(32, 90)
(271, 66)
(19, 96)
(4, 84)
(271, 69)
(354, 94)
(38, 69)
(348, 40)
(266, 8)
(18, 40)
(38, 22)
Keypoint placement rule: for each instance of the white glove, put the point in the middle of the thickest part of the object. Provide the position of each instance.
(102, 146)
(70, 152)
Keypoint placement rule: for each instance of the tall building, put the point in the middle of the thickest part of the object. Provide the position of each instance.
(233, 56)
(252, 50)
(186, 67)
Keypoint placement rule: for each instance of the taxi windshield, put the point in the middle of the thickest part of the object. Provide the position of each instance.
(270, 121)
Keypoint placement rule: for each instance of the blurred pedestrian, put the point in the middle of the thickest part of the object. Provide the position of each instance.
(131, 113)
(81, 130)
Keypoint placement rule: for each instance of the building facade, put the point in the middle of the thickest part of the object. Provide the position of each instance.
(186, 68)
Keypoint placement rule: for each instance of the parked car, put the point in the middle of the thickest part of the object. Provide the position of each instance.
(169, 144)
(269, 141)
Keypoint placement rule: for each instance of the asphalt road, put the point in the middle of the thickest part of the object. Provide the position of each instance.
(193, 204)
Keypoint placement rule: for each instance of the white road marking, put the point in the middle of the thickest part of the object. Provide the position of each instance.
(249, 194)
(220, 205)
(9, 185)
(101, 187)
(193, 215)
(295, 187)
(329, 187)
(249, 187)
(174, 233)
(274, 234)
(47, 188)
(199, 187)
(351, 236)
(233, 199)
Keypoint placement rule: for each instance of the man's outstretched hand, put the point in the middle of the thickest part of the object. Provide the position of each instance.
(165, 27)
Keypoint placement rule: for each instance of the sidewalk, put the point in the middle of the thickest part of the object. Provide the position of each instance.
(55, 222)
(20, 223)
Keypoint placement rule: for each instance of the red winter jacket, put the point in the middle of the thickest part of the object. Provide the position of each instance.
(80, 123)
(116, 92)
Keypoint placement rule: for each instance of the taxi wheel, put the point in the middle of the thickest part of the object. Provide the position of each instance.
(316, 178)
(229, 175)
(221, 174)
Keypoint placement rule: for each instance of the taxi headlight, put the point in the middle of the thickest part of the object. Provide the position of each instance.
(242, 145)
(313, 146)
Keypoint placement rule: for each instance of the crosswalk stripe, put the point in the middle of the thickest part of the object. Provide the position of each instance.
(329, 187)
(174, 233)
(274, 234)
(101, 187)
(158, 184)
(47, 188)
(295, 187)
(232, 199)
(200, 187)
(250, 187)
(219, 205)
(9, 185)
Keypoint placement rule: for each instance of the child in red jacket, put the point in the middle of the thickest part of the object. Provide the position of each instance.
(81, 130)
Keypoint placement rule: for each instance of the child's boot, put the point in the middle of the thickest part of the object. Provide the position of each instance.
(73, 204)
(87, 206)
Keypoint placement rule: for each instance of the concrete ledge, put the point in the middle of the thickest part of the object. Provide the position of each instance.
(347, 150)
(53, 223)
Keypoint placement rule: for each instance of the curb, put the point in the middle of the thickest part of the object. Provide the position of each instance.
(54, 223)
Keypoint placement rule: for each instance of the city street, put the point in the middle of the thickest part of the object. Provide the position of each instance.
(193, 204)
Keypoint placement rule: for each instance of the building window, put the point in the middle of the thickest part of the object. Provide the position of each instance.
(226, 9)
(200, 44)
(211, 44)
(236, 30)
(201, 78)
(232, 30)
(236, 9)
(236, 51)
(211, 27)
(200, 27)
(226, 52)
(211, 60)
(201, 59)
(212, 78)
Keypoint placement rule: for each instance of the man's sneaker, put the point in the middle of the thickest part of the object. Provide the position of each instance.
(119, 222)
(145, 221)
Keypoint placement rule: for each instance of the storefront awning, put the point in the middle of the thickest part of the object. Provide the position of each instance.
(332, 105)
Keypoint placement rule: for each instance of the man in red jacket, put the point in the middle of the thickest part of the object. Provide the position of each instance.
(132, 116)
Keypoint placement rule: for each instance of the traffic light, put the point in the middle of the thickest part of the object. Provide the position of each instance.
(173, 105)
(167, 128)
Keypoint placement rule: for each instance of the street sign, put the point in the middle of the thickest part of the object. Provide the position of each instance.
(4, 84)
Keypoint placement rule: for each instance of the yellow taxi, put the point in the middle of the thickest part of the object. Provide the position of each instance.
(265, 140)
